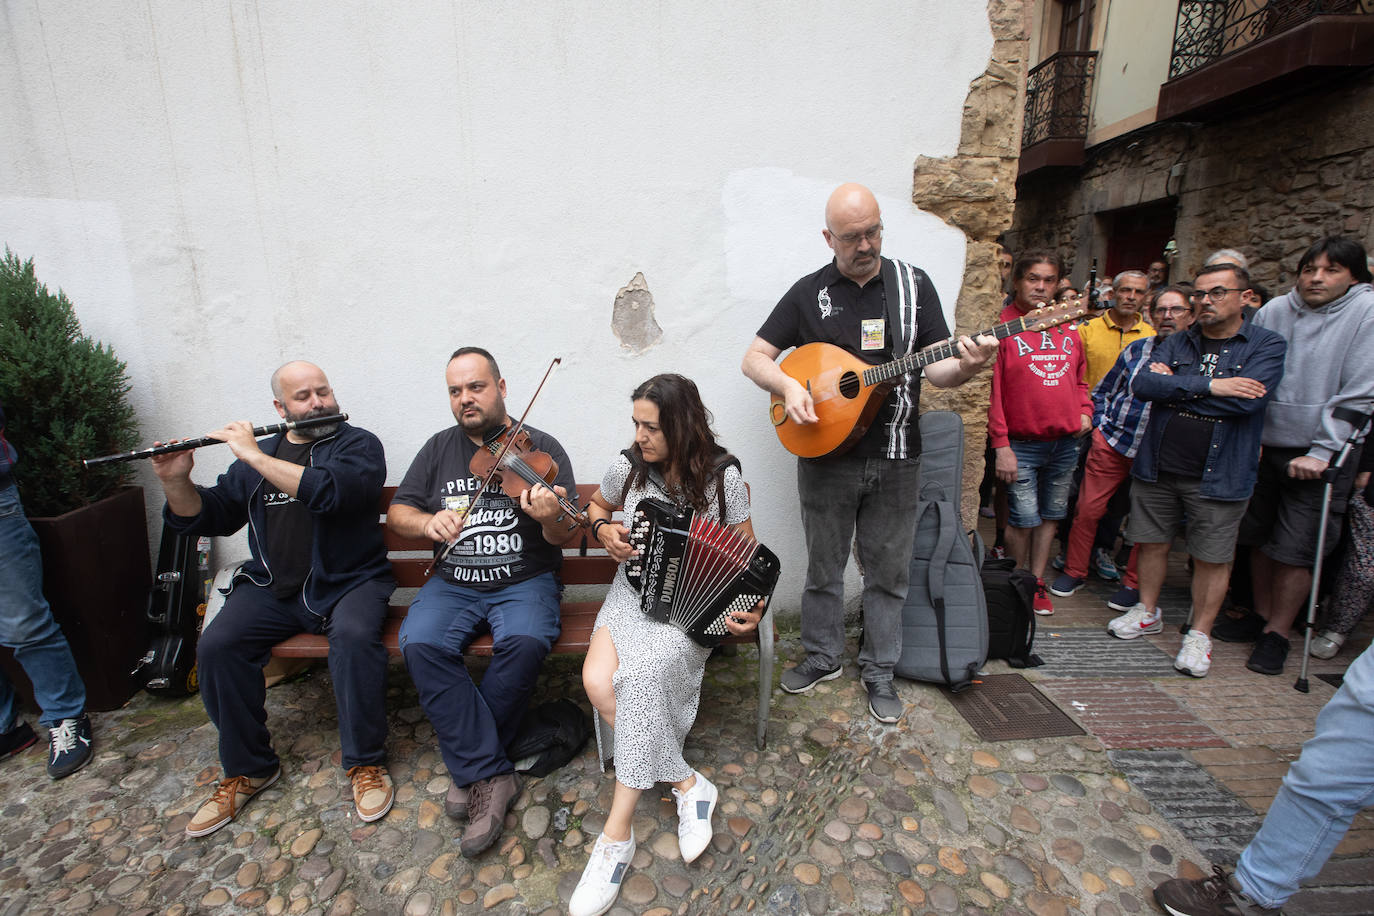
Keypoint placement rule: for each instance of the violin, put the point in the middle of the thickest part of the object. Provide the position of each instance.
(511, 460)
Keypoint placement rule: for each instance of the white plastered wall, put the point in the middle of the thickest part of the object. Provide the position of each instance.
(222, 186)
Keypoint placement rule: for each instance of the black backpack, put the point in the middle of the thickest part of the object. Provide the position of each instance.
(550, 735)
(1011, 621)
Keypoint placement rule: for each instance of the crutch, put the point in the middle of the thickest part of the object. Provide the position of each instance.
(1359, 427)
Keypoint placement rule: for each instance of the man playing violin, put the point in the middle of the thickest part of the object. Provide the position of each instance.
(878, 309)
(501, 576)
(318, 565)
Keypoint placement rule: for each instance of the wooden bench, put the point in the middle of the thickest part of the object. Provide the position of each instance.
(585, 563)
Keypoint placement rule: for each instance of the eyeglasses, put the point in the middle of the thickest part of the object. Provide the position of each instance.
(1169, 311)
(1215, 293)
(872, 234)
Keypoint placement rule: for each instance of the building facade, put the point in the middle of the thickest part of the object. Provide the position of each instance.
(1161, 130)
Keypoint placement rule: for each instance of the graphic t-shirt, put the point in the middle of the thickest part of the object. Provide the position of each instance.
(1187, 437)
(289, 531)
(499, 545)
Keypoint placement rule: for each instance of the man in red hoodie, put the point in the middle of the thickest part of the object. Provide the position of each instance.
(1040, 406)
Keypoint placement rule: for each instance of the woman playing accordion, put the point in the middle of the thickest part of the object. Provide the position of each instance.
(644, 676)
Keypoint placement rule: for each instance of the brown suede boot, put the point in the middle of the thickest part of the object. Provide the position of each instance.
(488, 803)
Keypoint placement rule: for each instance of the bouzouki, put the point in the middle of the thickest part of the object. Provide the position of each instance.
(847, 391)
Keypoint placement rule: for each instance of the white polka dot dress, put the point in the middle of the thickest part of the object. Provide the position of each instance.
(658, 682)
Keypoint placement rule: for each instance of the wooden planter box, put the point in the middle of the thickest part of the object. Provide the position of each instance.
(96, 576)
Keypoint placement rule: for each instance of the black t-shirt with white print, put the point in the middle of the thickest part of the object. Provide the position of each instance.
(289, 531)
(1187, 439)
(500, 545)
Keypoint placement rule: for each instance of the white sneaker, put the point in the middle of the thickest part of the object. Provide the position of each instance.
(694, 810)
(600, 883)
(1138, 621)
(1195, 657)
(1326, 644)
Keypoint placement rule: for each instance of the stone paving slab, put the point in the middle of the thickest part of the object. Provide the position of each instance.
(1093, 653)
(1130, 713)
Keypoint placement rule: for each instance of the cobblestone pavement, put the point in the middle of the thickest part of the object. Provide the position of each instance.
(837, 815)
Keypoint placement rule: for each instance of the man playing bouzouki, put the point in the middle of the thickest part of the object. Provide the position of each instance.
(878, 310)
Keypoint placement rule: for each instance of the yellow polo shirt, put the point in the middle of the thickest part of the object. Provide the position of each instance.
(1103, 341)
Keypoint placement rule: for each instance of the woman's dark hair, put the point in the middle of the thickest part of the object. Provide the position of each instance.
(694, 454)
(1340, 250)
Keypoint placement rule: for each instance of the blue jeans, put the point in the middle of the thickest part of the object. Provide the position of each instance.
(474, 724)
(875, 499)
(27, 625)
(1321, 794)
(1044, 473)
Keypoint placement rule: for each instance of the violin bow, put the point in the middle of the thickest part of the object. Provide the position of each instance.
(496, 466)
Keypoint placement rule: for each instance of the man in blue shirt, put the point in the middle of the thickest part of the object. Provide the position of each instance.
(1209, 385)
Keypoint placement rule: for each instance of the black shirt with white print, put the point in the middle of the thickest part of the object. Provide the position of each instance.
(500, 545)
(1187, 438)
(893, 314)
(288, 529)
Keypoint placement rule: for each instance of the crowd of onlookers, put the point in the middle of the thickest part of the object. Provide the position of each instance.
(1203, 410)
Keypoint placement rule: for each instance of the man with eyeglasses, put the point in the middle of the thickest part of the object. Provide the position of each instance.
(1328, 321)
(878, 309)
(1119, 421)
(1208, 387)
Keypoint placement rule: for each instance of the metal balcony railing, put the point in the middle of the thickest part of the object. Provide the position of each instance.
(1058, 94)
(1207, 30)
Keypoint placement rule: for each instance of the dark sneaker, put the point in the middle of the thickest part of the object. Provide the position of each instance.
(1246, 628)
(1271, 651)
(997, 553)
(229, 798)
(488, 802)
(1124, 599)
(1065, 585)
(1219, 895)
(456, 801)
(69, 746)
(883, 702)
(17, 739)
(1058, 562)
(806, 675)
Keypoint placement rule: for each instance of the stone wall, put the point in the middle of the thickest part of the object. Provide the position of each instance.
(1266, 182)
(975, 191)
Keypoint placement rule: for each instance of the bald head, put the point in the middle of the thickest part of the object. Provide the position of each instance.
(300, 390)
(293, 370)
(854, 231)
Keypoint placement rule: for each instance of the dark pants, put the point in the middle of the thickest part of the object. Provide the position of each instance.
(474, 724)
(238, 643)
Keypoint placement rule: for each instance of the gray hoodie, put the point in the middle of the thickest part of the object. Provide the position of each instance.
(1330, 363)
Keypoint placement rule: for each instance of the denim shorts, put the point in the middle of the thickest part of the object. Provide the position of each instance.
(1044, 473)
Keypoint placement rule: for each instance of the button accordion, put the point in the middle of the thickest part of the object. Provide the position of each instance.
(694, 573)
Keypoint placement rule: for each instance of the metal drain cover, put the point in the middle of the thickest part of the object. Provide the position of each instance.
(1007, 707)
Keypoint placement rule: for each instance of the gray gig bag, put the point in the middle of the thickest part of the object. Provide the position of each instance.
(945, 620)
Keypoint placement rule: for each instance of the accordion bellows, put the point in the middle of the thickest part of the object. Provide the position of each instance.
(694, 573)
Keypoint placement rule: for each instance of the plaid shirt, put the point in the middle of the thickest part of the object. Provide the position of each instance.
(1117, 414)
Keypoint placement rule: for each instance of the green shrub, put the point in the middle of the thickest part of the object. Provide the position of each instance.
(65, 397)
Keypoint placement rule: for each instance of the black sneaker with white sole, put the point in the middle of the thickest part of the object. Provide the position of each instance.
(69, 746)
(806, 675)
(883, 702)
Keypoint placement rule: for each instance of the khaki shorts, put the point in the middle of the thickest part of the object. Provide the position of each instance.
(1159, 509)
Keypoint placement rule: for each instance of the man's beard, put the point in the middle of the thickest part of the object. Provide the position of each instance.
(314, 433)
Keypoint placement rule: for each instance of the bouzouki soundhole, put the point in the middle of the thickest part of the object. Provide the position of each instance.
(850, 386)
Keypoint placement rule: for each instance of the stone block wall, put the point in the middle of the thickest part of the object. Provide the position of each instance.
(975, 191)
(1267, 182)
